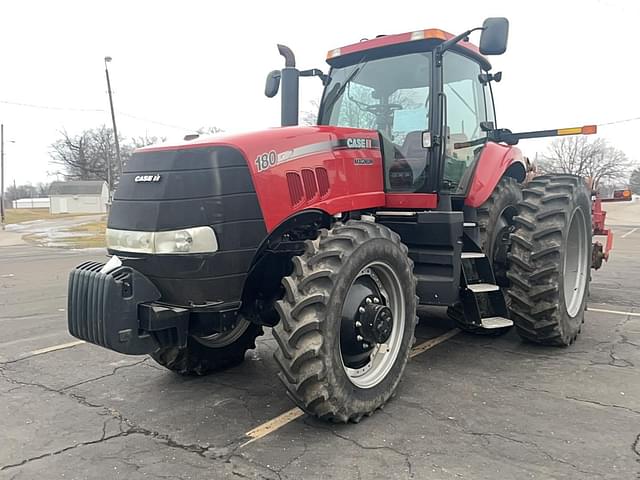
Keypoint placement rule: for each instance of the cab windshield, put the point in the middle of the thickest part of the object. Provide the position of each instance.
(390, 95)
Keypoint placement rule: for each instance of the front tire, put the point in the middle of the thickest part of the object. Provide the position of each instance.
(347, 321)
(208, 354)
(550, 260)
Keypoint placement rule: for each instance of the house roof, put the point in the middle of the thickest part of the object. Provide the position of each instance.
(77, 187)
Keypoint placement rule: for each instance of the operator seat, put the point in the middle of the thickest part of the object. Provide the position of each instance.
(415, 156)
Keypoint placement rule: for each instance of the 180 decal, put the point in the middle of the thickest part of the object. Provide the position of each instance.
(266, 160)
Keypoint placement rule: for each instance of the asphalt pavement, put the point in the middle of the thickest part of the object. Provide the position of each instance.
(469, 407)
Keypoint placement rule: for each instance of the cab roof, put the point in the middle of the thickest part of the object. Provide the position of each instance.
(401, 43)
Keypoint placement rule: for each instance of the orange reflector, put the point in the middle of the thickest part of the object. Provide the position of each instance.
(570, 131)
(333, 53)
(626, 193)
(435, 33)
(586, 130)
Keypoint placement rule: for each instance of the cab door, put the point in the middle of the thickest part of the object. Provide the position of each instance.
(466, 108)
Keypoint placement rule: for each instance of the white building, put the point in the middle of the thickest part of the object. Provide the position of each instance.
(40, 202)
(81, 196)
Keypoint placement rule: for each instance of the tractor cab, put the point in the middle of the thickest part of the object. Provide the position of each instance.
(426, 93)
(391, 89)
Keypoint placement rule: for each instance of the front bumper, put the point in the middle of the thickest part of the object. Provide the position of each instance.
(121, 310)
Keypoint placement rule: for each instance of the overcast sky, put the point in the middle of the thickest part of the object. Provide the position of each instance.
(181, 65)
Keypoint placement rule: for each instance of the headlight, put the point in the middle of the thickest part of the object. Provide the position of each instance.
(186, 240)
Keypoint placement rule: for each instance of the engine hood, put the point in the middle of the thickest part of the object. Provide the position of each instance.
(279, 138)
(286, 169)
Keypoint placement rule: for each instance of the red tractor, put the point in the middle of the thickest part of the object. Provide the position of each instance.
(406, 193)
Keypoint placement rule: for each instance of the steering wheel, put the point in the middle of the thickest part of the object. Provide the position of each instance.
(382, 108)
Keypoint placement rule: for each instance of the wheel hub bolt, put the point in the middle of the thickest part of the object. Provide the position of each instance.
(375, 324)
(368, 300)
(361, 309)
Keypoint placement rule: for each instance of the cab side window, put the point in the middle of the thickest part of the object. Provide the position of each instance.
(466, 108)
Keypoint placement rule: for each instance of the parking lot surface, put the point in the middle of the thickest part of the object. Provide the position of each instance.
(468, 407)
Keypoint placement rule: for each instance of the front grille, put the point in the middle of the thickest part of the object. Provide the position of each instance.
(323, 180)
(310, 186)
(296, 192)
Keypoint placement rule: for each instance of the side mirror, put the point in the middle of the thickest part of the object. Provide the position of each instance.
(272, 85)
(493, 40)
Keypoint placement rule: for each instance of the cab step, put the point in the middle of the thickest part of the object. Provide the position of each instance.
(483, 287)
(496, 322)
(469, 255)
(482, 305)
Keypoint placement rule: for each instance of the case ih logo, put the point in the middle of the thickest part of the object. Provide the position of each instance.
(359, 143)
(147, 178)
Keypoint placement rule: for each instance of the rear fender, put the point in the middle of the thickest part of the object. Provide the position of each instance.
(496, 160)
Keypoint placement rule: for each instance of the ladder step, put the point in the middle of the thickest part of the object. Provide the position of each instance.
(473, 255)
(483, 287)
(496, 322)
(469, 224)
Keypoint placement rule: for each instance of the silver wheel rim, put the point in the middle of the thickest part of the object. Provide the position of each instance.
(576, 261)
(383, 356)
(219, 340)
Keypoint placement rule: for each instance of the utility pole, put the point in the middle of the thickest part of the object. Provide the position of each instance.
(2, 175)
(113, 119)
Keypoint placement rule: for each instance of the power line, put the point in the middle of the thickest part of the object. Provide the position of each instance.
(95, 110)
(619, 121)
(48, 107)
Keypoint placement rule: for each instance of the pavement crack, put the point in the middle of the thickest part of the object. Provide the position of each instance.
(277, 474)
(577, 399)
(115, 370)
(528, 354)
(635, 446)
(406, 457)
(608, 405)
(534, 445)
(103, 438)
(295, 458)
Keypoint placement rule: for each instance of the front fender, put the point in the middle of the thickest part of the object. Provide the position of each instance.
(496, 160)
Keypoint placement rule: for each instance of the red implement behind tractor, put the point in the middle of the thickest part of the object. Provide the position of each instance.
(406, 193)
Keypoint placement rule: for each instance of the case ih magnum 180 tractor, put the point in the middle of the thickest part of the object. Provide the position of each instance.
(406, 193)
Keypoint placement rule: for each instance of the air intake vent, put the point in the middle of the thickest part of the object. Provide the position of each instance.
(296, 192)
(323, 181)
(310, 187)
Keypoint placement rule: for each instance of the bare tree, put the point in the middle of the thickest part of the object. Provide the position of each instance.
(209, 130)
(310, 117)
(89, 155)
(14, 192)
(595, 159)
(146, 140)
(634, 181)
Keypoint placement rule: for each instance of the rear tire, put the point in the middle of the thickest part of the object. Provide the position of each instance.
(495, 220)
(316, 333)
(205, 355)
(550, 260)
